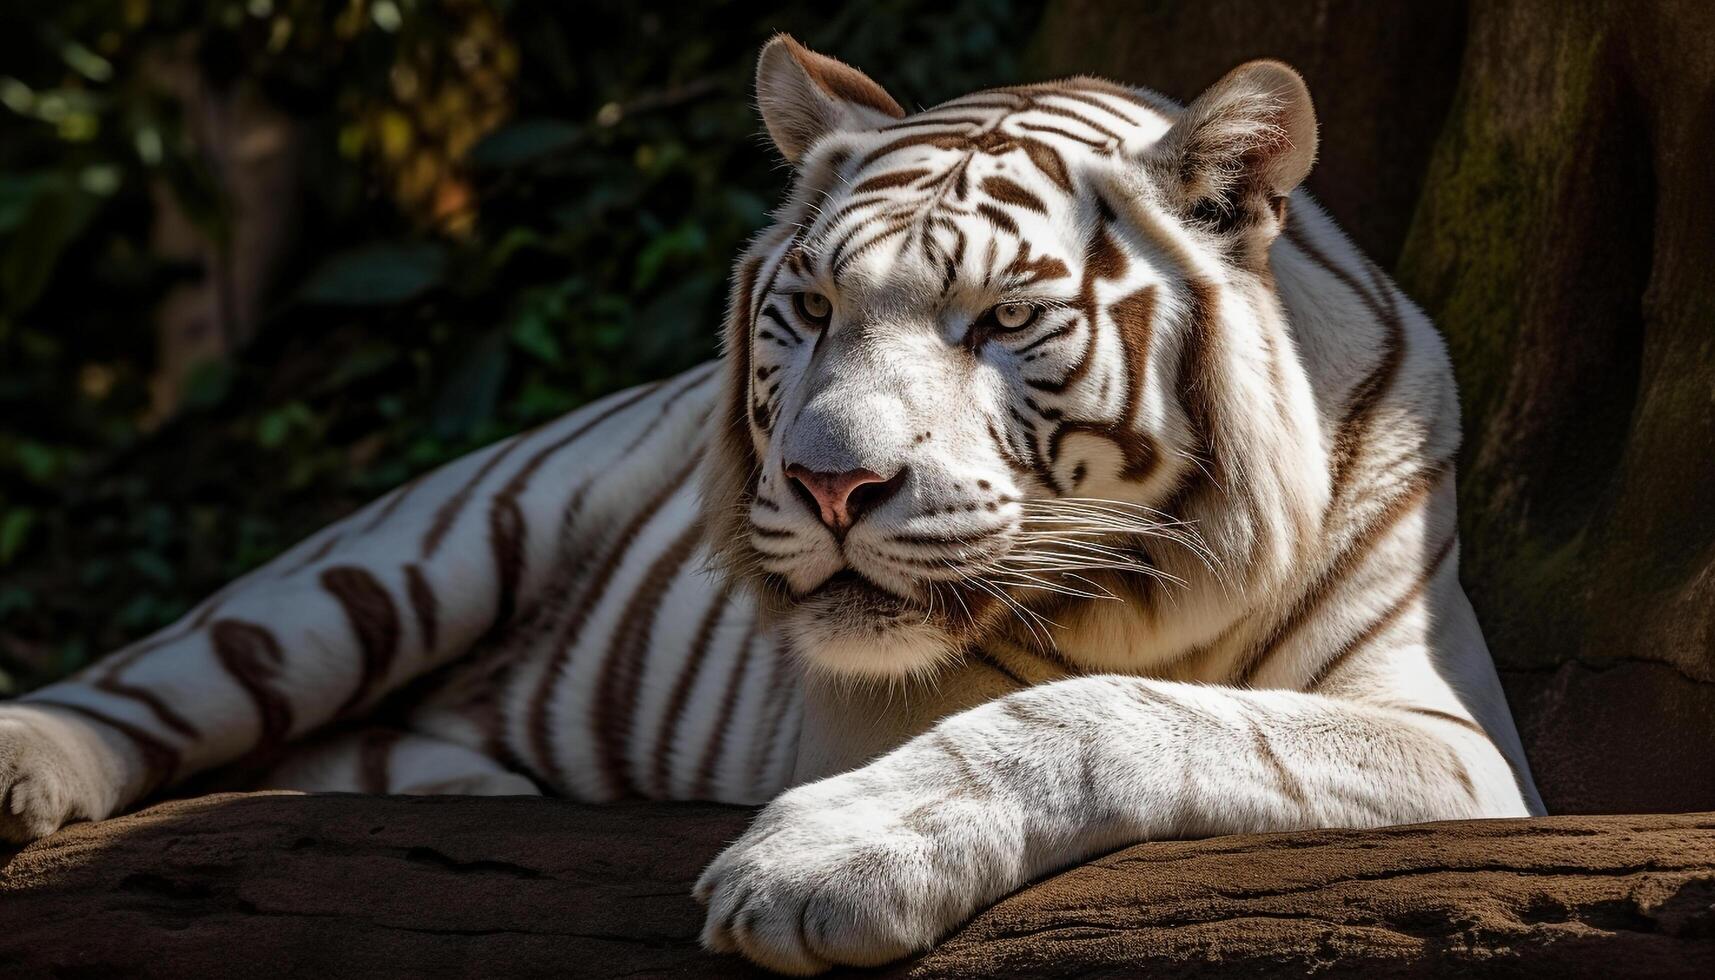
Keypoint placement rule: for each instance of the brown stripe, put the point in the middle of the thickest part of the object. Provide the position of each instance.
(520, 480)
(1361, 407)
(998, 218)
(763, 287)
(1289, 785)
(1464, 723)
(1134, 315)
(698, 376)
(506, 532)
(163, 712)
(775, 707)
(744, 288)
(1099, 146)
(124, 658)
(1009, 192)
(729, 703)
(945, 141)
(1382, 622)
(252, 655)
(772, 313)
(739, 388)
(982, 100)
(617, 685)
(682, 686)
(1077, 117)
(161, 761)
(374, 758)
(1103, 262)
(1462, 774)
(1321, 258)
(600, 577)
(1471, 726)
(1343, 565)
(1369, 391)
(317, 555)
(1090, 100)
(374, 619)
(1049, 161)
(970, 780)
(398, 497)
(424, 606)
(894, 179)
(920, 120)
(891, 231)
(1198, 374)
(448, 512)
(1028, 271)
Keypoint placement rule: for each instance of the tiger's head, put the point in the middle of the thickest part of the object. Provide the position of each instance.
(1006, 358)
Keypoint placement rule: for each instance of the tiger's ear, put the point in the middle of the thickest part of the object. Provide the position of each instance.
(804, 96)
(1231, 160)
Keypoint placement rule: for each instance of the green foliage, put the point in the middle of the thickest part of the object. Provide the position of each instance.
(500, 212)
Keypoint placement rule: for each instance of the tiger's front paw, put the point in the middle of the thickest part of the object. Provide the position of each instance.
(846, 871)
(53, 770)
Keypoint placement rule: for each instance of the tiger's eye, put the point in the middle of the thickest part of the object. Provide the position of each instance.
(1013, 316)
(814, 307)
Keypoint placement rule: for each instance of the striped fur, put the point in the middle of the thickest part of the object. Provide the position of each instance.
(1174, 554)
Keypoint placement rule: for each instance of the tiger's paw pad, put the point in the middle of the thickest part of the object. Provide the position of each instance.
(828, 875)
(48, 777)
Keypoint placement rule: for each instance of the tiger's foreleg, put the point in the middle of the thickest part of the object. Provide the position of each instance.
(870, 865)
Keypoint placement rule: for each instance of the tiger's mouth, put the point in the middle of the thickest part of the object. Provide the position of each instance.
(852, 625)
(848, 585)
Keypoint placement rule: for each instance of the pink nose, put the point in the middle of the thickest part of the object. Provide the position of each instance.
(840, 499)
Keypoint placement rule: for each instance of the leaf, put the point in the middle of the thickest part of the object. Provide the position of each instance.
(41, 463)
(535, 337)
(14, 532)
(15, 598)
(680, 319)
(524, 142)
(538, 401)
(377, 275)
(151, 566)
(362, 363)
(206, 384)
(541, 316)
(469, 398)
(54, 215)
(273, 428)
(687, 240)
(17, 194)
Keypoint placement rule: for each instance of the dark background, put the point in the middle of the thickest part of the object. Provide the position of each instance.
(261, 260)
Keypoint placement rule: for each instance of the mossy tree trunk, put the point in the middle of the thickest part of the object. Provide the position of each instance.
(1537, 174)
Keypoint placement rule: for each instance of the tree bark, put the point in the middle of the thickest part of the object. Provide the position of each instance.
(327, 886)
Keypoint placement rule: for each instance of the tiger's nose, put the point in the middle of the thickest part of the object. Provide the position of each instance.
(841, 499)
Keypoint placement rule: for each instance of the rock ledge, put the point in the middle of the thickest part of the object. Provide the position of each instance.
(325, 886)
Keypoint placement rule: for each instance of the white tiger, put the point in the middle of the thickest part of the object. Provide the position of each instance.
(1070, 489)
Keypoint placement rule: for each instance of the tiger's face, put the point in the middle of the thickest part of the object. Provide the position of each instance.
(965, 350)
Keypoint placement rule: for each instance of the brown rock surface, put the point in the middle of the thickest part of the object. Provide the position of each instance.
(327, 886)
